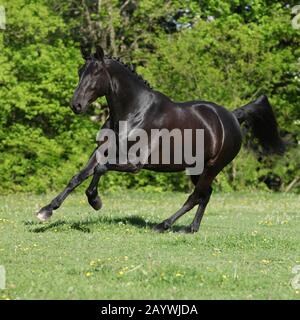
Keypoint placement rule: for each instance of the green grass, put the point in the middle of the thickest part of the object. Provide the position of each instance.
(246, 248)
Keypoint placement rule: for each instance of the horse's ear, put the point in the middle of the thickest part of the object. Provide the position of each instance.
(85, 52)
(99, 55)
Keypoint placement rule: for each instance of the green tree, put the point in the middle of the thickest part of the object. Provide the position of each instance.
(223, 51)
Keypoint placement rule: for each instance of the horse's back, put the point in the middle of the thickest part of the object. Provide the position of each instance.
(222, 133)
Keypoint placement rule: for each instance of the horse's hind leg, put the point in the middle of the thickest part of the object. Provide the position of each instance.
(46, 212)
(203, 185)
(194, 226)
(200, 195)
(189, 204)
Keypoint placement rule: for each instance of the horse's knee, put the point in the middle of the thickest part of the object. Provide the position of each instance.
(100, 169)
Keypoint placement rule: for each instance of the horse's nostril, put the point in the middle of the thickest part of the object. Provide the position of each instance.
(76, 107)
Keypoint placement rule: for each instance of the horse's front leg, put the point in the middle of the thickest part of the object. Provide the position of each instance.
(46, 212)
(92, 191)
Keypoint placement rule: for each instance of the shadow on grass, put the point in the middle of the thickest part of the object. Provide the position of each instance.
(87, 224)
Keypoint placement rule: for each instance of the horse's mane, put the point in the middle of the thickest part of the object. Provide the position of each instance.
(130, 68)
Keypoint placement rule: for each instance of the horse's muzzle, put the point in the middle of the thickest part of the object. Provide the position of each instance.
(77, 108)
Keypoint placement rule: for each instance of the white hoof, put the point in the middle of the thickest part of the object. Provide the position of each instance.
(43, 216)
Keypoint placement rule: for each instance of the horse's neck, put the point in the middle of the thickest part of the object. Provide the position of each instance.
(124, 99)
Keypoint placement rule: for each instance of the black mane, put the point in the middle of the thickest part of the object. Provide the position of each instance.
(130, 68)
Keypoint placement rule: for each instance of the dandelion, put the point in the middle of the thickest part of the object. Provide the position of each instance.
(216, 252)
(88, 274)
(265, 261)
(178, 274)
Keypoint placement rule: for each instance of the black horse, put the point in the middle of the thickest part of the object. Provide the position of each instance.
(131, 99)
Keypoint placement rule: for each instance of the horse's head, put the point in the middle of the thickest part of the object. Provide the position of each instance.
(94, 81)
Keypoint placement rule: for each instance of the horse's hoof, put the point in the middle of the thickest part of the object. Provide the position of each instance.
(161, 227)
(96, 203)
(44, 215)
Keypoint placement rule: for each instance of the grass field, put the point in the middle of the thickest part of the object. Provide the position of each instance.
(246, 248)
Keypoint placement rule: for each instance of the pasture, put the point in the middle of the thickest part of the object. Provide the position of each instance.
(246, 248)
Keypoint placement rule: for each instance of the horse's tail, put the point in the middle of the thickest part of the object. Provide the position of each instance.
(259, 117)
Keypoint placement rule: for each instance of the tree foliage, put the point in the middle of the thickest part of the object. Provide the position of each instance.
(223, 51)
